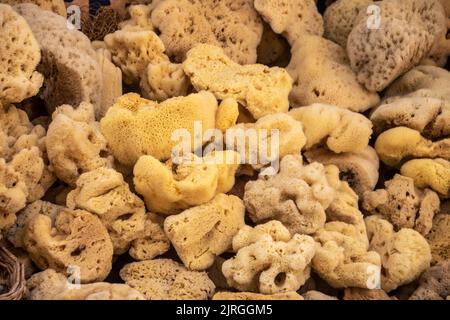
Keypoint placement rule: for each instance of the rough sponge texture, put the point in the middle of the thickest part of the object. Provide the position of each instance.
(176, 185)
(19, 56)
(262, 90)
(439, 238)
(57, 6)
(165, 279)
(404, 205)
(297, 196)
(343, 258)
(429, 116)
(404, 254)
(104, 192)
(429, 173)
(242, 296)
(400, 143)
(201, 233)
(407, 32)
(340, 18)
(24, 173)
(341, 129)
(257, 150)
(434, 283)
(321, 73)
(134, 127)
(291, 18)
(77, 238)
(233, 25)
(360, 170)
(74, 142)
(69, 63)
(269, 260)
(50, 285)
(365, 294)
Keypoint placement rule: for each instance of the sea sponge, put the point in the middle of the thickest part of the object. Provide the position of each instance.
(360, 170)
(233, 25)
(268, 259)
(404, 254)
(139, 19)
(297, 196)
(162, 80)
(201, 233)
(50, 285)
(261, 148)
(365, 294)
(291, 18)
(321, 73)
(78, 238)
(429, 116)
(434, 283)
(273, 50)
(24, 172)
(19, 56)
(69, 63)
(439, 239)
(134, 127)
(407, 32)
(74, 143)
(340, 18)
(429, 173)
(176, 185)
(262, 90)
(340, 129)
(56, 6)
(165, 279)
(317, 295)
(404, 205)
(104, 192)
(400, 143)
(242, 296)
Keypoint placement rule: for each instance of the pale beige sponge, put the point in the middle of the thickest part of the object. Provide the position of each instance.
(19, 57)
(233, 25)
(291, 18)
(242, 296)
(260, 89)
(51, 285)
(321, 73)
(56, 6)
(201, 233)
(405, 254)
(178, 184)
(134, 126)
(165, 279)
(339, 129)
(24, 172)
(403, 204)
(269, 259)
(74, 238)
(439, 238)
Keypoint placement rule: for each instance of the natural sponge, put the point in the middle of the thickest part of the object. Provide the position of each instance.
(50, 285)
(268, 259)
(434, 283)
(404, 254)
(404, 205)
(406, 34)
(439, 238)
(19, 56)
(24, 172)
(134, 127)
(262, 90)
(297, 196)
(291, 18)
(57, 6)
(399, 143)
(321, 73)
(341, 130)
(77, 238)
(74, 142)
(360, 170)
(201, 233)
(233, 25)
(165, 279)
(179, 184)
(429, 173)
